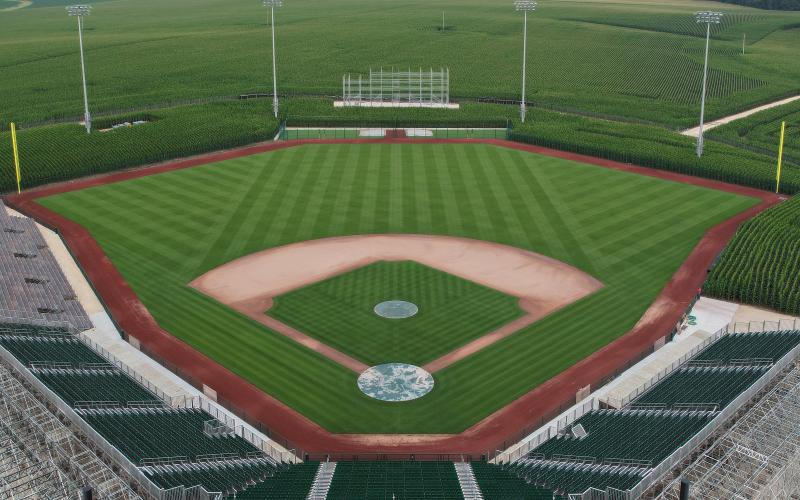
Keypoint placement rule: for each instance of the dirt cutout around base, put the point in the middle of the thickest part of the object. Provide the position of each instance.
(542, 284)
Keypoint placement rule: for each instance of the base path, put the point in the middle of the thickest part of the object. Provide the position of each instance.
(499, 430)
(694, 132)
(249, 283)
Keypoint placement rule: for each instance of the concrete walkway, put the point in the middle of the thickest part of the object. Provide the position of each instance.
(693, 132)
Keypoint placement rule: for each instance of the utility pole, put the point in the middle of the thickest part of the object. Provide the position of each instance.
(80, 11)
(524, 6)
(707, 18)
(271, 4)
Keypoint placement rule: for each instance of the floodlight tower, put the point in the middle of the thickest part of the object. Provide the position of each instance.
(524, 6)
(80, 11)
(708, 18)
(272, 4)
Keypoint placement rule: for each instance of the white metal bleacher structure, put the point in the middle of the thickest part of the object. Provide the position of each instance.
(765, 465)
(758, 457)
(42, 457)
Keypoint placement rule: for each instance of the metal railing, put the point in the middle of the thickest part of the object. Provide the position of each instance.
(225, 418)
(130, 372)
(524, 447)
(782, 325)
(666, 371)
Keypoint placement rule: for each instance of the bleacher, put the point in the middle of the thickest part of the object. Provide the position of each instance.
(746, 348)
(617, 448)
(31, 281)
(646, 436)
(499, 483)
(152, 433)
(51, 350)
(227, 476)
(701, 386)
(400, 480)
(576, 477)
(82, 387)
(290, 482)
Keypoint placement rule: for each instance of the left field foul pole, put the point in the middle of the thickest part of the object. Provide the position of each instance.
(16, 157)
(780, 158)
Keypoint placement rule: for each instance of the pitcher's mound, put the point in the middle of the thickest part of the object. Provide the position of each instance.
(396, 309)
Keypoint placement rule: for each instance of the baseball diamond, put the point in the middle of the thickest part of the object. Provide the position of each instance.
(362, 249)
(577, 214)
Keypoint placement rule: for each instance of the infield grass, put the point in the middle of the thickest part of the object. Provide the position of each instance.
(339, 312)
(629, 231)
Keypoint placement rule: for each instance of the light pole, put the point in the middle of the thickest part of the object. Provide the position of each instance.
(80, 11)
(272, 4)
(708, 18)
(524, 6)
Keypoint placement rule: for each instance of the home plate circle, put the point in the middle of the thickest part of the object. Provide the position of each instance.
(396, 309)
(395, 382)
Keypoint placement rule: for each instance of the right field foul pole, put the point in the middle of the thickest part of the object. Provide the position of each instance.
(780, 158)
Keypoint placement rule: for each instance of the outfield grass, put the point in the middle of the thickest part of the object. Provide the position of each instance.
(639, 59)
(452, 311)
(631, 232)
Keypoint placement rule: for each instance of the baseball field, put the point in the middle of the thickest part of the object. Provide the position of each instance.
(629, 232)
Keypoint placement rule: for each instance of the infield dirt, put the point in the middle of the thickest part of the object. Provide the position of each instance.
(542, 284)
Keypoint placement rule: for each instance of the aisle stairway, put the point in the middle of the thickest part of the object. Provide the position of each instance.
(466, 478)
(322, 481)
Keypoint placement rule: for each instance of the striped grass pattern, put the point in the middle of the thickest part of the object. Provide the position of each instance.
(629, 231)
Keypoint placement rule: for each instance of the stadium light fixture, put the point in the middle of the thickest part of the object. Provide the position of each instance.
(271, 5)
(524, 6)
(708, 18)
(80, 11)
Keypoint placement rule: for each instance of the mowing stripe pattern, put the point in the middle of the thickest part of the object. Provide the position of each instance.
(630, 232)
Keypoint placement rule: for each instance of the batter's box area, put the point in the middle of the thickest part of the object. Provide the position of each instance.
(329, 294)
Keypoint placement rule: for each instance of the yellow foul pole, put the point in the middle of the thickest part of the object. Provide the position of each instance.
(780, 158)
(16, 155)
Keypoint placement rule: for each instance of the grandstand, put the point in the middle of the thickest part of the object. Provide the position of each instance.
(756, 458)
(620, 453)
(32, 283)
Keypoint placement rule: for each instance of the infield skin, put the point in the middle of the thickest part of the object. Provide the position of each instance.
(249, 284)
(495, 431)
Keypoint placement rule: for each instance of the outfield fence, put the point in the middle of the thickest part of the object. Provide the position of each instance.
(340, 127)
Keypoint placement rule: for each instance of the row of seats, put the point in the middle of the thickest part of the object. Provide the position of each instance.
(163, 432)
(702, 385)
(290, 482)
(743, 346)
(643, 435)
(25, 330)
(499, 483)
(571, 478)
(395, 480)
(110, 386)
(225, 477)
(49, 349)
